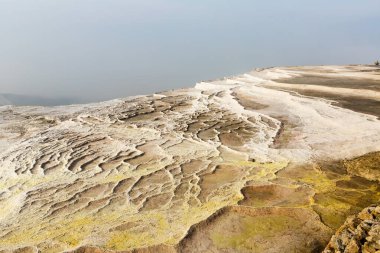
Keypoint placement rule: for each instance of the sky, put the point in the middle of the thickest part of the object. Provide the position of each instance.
(94, 50)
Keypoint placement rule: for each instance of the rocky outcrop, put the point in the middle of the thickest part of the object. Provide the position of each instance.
(360, 233)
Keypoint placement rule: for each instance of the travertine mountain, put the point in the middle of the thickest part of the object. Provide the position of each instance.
(273, 160)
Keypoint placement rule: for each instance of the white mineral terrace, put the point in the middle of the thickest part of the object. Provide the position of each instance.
(138, 172)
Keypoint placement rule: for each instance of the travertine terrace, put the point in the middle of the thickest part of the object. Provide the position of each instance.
(273, 159)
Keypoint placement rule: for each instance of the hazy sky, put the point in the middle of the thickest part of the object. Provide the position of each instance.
(102, 49)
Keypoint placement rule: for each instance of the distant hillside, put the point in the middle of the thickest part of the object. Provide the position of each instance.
(14, 99)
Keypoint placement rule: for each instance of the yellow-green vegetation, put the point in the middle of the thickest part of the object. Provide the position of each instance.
(127, 239)
(137, 237)
(319, 180)
(337, 193)
(367, 166)
(71, 231)
(248, 231)
(68, 232)
(275, 195)
(260, 171)
(326, 188)
(171, 227)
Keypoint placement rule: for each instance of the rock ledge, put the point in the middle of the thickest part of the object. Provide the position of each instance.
(360, 233)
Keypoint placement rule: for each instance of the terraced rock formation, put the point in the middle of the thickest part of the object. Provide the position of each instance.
(249, 163)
